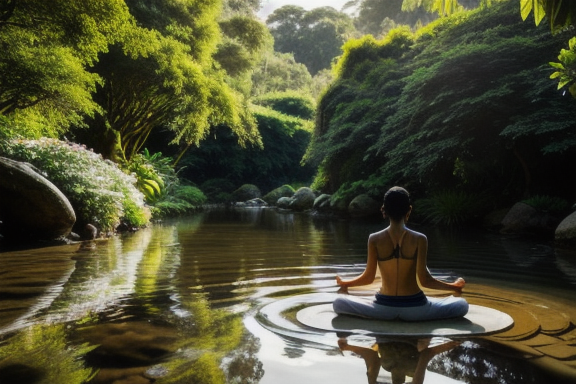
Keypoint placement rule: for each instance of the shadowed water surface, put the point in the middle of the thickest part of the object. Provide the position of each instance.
(213, 299)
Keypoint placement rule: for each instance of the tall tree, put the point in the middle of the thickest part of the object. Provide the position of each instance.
(164, 75)
(314, 37)
(47, 48)
(279, 72)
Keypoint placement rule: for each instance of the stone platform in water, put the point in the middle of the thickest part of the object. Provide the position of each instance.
(479, 321)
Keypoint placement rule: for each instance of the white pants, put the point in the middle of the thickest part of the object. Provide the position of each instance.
(435, 308)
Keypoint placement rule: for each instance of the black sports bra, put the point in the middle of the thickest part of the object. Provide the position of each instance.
(397, 252)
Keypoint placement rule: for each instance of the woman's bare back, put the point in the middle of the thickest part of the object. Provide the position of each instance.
(397, 254)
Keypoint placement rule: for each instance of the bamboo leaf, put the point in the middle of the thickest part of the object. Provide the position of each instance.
(525, 8)
(563, 81)
(539, 12)
(556, 65)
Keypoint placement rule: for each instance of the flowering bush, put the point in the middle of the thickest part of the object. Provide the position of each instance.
(100, 192)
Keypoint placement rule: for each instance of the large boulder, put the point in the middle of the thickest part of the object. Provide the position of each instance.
(30, 205)
(523, 218)
(246, 192)
(322, 203)
(363, 206)
(284, 202)
(303, 199)
(284, 191)
(566, 230)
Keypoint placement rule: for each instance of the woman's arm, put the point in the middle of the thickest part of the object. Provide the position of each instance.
(367, 277)
(425, 278)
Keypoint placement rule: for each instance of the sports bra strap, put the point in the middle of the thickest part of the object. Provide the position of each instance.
(397, 252)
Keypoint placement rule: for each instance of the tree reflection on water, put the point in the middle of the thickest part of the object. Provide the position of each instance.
(166, 305)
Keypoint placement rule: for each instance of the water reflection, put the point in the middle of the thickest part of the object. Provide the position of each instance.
(399, 357)
(42, 354)
(441, 360)
(170, 304)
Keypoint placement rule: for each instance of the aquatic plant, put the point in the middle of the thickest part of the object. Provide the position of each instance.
(99, 191)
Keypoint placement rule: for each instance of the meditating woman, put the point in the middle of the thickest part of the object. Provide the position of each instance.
(400, 254)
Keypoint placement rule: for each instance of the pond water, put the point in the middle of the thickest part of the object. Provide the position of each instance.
(212, 299)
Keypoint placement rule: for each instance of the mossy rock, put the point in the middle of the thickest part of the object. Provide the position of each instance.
(246, 192)
(364, 206)
(272, 197)
(303, 199)
(322, 203)
(284, 202)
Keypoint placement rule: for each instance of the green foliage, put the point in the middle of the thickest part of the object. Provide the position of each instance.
(180, 200)
(373, 15)
(566, 68)
(552, 204)
(469, 87)
(368, 49)
(161, 185)
(148, 181)
(315, 36)
(218, 190)
(244, 44)
(100, 193)
(279, 72)
(289, 103)
(162, 74)
(285, 139)
(349, 121)
(251, 33)
(47, 47)
(560, 13)
(450, 207)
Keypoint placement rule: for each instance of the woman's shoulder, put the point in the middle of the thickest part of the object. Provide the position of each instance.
(378, 235)
(417, 236)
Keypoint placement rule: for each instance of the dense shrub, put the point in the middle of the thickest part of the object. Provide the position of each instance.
(290, 103)
(450, 207)
(465, 102)
(99, 191)
(161, 185)
(218, 190)
(180, 199)
(285, 139)
(551, 204)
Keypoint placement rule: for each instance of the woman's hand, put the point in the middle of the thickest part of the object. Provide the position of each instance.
(458, 285)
